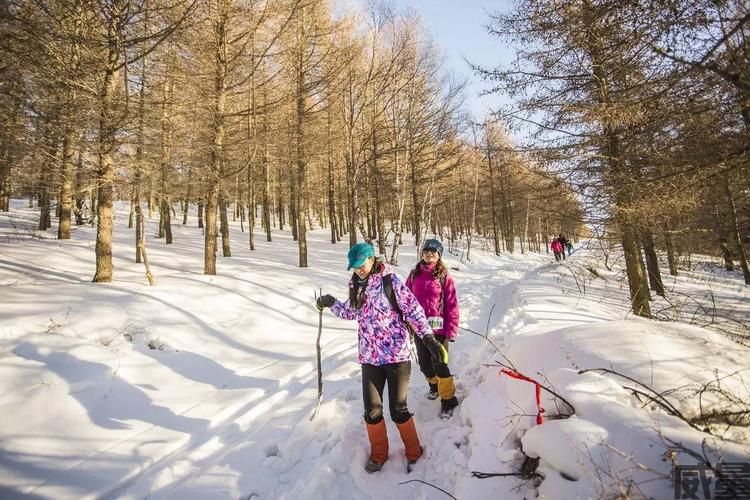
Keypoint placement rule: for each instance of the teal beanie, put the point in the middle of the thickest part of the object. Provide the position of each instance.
(359, 253)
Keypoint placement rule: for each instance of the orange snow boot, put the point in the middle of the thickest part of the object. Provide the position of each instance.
(411, 441)
(378, 436)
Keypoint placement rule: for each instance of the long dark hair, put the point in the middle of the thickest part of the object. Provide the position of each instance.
(358, 285)
(438, 273)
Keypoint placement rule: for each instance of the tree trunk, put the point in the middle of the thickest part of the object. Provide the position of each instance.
(141, 249)
(415, 203)
(331, 185)
(616, 172)
(45, 220)
(472, 224)
(726, 255)
(379, 202)
(652, 262)
(400, 186)
(669, 245)
(251, 208)
(226, 250)
(301, 160)
(353, 204)
(266, 187)
(140, 238)
(151, 193)
(495, 234)
(526, 227)
(211, 234)
(188, 195)
(80, 195)
(66, 186)
(5, 175)
(236, 208)
(506, 203)
(105, 174)
(6, 161)
(217, 144)
(293, 202)
(722, 237)
(735, 230)
(639, 293)
(165, 219)
(280, 200)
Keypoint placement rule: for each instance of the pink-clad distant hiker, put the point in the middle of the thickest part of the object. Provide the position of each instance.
(435, 290)
(384, 347)
(557, 249)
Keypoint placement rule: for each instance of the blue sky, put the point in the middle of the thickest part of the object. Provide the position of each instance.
(457, 26)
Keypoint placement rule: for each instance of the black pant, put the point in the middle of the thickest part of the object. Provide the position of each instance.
(374, 379)
(426, 365)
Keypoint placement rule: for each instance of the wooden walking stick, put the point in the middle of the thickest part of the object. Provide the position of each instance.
(320, 369)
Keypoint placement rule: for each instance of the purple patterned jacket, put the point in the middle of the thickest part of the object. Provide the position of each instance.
(383, 337)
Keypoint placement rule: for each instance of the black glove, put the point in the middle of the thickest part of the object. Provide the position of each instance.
(325, 301)
(437, 352)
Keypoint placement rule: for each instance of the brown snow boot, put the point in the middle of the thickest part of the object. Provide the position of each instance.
(378, 436)
(411, 441)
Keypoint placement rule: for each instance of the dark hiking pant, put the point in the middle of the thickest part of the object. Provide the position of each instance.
(438, 375)
(426, 366)
(374, 380)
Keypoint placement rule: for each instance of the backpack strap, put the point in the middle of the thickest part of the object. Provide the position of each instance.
(442, 294)
(388, 289)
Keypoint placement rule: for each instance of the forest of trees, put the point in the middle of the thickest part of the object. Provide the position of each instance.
(294, 114)
(643, 108)
(279, 112)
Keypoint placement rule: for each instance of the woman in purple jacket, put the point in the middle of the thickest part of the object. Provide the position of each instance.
(384, 342)
(436, 293)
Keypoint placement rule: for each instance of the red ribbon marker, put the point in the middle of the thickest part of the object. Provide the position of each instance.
(514, 374)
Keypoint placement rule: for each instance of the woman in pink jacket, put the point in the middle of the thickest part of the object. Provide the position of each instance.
(436, 293)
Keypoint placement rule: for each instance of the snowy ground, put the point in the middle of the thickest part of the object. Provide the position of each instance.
(220, 408)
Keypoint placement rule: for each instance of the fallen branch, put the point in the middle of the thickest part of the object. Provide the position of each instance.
(428, 484)
(485, 475)
(654, 396)
(320, 368)
(528, 470)
(487, 338)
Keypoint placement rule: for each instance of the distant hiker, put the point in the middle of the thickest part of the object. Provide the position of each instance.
(563, 245)
(436, 293)
(384, 347)
(557, 248)
(569, 246)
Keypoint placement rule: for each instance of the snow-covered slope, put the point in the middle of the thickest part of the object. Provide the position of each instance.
(202, 387)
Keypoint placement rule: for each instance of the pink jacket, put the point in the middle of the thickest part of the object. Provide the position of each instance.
(429, 294)
(556, 246)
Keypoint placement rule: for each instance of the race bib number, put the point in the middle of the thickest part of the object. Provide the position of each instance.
(436, 322)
